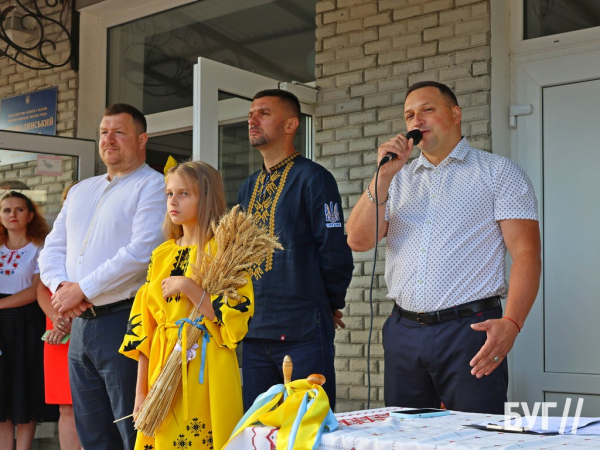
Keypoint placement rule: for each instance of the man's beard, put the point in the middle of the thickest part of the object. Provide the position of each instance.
(257, 142)
(264, 139)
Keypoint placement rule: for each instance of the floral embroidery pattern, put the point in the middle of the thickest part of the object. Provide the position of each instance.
(196, 427)
(10, 261)
(182, 443)
(209, 441)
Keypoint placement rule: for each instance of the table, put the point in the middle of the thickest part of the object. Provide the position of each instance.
(375, 430)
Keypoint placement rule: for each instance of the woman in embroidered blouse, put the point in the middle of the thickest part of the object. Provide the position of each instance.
(22, 233)
(195, 197)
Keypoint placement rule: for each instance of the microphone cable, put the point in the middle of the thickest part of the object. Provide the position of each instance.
(416, 136)
(371, 290)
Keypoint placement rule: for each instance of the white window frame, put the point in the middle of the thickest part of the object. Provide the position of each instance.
(210, 77)
(509, 49)
(83, 149)
(520, 46)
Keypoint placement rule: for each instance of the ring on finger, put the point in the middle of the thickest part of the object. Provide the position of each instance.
(496, 359)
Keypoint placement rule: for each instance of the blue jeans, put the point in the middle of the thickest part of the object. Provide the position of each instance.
(262, 360)
(102, 382)
(429, 364)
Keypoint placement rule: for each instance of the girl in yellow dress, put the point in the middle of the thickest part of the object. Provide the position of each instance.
(195, 197)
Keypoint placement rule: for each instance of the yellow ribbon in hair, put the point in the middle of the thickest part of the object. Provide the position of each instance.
(300, 418)
(171, 162)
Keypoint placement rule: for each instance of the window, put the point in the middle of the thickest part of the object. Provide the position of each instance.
(150, 62)
(550, 17)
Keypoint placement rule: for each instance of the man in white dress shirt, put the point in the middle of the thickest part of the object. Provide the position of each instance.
(94, 260)
(449, 217)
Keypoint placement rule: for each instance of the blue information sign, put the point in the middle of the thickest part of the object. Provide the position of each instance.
(34, 112)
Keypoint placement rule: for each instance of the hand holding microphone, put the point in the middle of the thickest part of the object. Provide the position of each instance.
(415, 135)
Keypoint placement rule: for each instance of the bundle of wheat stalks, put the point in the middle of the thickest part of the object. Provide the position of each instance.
(240, 245)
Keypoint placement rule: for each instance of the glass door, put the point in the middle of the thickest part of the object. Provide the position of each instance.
(43, 166)
(222, 98)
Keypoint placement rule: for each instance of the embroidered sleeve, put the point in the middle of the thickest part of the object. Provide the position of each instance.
(232, 317)
(141, 324)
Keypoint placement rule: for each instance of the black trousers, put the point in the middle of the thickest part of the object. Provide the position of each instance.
(429, 364)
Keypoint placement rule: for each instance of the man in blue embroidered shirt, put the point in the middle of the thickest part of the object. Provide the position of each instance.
(300, 290)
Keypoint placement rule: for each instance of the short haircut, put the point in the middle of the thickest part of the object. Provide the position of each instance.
(287, 97)
(119, 108)
(444, 90)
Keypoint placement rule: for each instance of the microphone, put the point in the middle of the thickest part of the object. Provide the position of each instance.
(415, 135)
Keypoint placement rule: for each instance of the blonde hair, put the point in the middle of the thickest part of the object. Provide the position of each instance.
(202, 179)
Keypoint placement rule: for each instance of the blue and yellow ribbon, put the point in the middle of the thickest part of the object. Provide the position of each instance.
(301, 418)
(183, 336)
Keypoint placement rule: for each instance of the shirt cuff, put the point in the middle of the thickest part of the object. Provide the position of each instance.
(88, 287)
(53, 285)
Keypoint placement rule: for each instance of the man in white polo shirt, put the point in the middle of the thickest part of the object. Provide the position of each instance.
(98, 254)
(449, 217)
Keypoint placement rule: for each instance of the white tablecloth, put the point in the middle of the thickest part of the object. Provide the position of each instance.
(375, 430)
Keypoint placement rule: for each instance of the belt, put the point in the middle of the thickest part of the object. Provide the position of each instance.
(96, 311)
(456, 312)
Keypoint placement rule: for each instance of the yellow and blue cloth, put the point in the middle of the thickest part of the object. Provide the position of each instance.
(301, 418)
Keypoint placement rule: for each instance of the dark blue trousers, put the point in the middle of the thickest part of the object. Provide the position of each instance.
(429, 364)
(102, 382)
(262, 361)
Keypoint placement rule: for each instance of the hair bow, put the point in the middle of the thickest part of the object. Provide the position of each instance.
(171, 162)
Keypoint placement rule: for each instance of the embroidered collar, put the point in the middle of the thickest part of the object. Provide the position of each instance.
(281, 164)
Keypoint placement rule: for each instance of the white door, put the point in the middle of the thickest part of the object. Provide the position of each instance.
(222, 98)
(556, 356)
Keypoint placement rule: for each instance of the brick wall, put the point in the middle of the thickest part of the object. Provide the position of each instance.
(16, 79)
(45, 190)
(368, 53)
